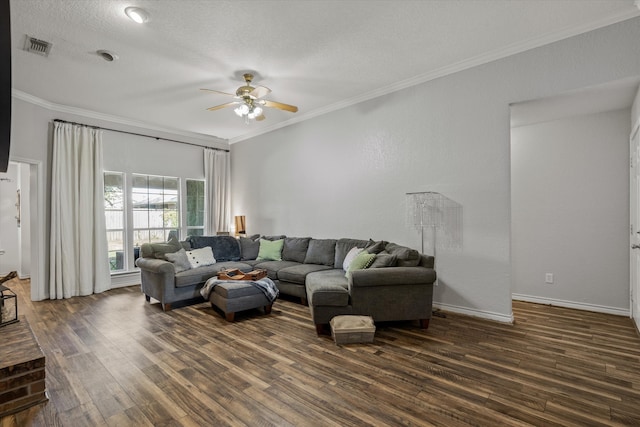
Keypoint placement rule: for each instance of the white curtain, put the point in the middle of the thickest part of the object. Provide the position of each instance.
(79, 263)
(217, 177)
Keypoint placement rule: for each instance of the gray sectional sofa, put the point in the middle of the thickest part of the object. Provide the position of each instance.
(398, 285)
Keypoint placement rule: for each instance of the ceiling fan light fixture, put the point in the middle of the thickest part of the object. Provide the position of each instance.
(255, 112)
(242, 110)
(137, 14)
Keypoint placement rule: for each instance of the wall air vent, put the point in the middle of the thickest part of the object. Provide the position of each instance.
(38, 46)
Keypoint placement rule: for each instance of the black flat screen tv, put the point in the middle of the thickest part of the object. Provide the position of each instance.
(5, 84)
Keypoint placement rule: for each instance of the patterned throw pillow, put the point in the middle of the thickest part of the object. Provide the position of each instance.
(201, 257)
(361, 261)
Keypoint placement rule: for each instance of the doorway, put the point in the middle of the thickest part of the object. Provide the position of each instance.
(570, 198)
(22, 223)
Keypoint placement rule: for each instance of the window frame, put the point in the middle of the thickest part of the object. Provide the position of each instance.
(130, 250)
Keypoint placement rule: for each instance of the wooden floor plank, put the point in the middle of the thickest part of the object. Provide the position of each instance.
(112, 359)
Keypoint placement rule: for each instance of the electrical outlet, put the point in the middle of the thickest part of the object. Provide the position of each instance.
(548, 278)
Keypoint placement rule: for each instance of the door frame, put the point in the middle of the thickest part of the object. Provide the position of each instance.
(634, 227)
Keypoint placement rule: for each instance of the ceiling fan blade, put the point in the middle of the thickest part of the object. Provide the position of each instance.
(218, 107)
(260, 91)
(217, 91)
(280, 105)
(260, 117)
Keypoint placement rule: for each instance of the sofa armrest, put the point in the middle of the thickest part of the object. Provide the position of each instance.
(392, 276)
(154, 265)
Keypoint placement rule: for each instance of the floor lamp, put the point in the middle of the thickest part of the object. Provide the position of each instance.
(441, 216)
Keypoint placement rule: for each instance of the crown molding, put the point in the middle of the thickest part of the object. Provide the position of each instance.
(507, 51)
(23, 96)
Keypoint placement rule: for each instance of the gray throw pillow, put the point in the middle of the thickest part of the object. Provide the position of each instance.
(384, 260)
(407, 257)
(295, 248)
(321, 251)
(343, 246)
(273, 238)
(249, 247)
(179, 260)
(375, 247)
(160, 249)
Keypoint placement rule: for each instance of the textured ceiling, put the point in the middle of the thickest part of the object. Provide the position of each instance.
(318, 55)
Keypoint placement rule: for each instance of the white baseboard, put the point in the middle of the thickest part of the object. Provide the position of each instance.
(125, 279)
(573, 304)
(474, 313)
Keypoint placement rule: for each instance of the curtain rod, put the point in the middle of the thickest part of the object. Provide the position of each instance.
(139, 134)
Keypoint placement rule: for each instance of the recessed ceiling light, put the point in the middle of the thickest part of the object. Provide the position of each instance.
(137, 14)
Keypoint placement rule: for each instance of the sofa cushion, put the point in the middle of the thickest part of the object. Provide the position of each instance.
(273, 267)
(158, 250)
(321, 251)
(225, 248)
(179, 260)
(295, 248)
(249, 247)
(407, 257)
(195, 276)
(327, 288)
(200, 257)
(298, 273)
(343, 246)
(270, 250)
(384, 260)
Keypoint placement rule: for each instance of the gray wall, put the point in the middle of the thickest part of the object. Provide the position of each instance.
(345, 174)
(570, 211)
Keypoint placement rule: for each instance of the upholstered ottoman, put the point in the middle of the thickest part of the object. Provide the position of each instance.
(238, 295)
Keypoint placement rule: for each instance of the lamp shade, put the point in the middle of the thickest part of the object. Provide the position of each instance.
(241, 225)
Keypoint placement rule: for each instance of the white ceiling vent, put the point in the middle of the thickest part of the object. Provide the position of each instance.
(38, 46)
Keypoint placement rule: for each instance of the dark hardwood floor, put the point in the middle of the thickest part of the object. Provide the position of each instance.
(113, 359)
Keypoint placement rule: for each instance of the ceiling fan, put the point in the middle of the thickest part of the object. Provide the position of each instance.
(249, 102)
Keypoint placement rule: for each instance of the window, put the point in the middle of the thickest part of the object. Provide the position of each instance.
(155, 206)
(195, 207)
(149, 209)
(114, 215)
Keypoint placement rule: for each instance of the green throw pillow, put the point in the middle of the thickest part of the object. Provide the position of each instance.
(360, 262)
(270, 250)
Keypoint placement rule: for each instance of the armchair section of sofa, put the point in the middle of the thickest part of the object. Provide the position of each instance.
(164, 276)
(392, 293)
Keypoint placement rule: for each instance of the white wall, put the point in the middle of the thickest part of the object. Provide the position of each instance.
(9, 231)
(570, 211)
(345, 174)
(31, 139)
